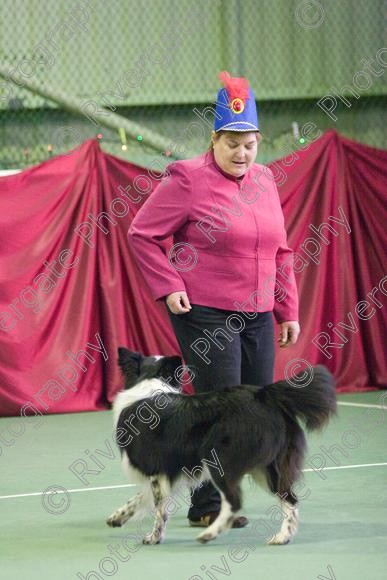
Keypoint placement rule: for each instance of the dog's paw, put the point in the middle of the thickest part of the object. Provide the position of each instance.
(205, 537)
(153, 538)
(279, 539)
(113, 524)
(115, 520)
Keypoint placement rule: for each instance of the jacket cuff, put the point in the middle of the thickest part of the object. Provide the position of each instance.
(283, 314)
(164, 290)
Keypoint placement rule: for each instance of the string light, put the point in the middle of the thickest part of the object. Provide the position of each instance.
(296, 131)
(122, 134)
(27, 153)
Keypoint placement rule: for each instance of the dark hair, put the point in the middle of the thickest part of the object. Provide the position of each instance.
(221, 132)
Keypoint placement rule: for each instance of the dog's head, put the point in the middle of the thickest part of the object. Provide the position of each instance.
(136, 367)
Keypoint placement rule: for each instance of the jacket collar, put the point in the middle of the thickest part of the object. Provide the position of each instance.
(227, 175)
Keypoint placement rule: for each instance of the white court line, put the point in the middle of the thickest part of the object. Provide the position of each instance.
(361, 405)
(345, 467)
(70, 490)
(134, 485)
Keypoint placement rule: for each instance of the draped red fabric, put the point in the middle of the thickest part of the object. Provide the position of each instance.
(338, 179)
(71, 292)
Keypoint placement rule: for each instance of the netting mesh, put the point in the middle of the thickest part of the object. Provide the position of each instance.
(73, 70)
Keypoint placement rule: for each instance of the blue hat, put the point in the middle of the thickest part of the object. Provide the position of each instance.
(235, 105)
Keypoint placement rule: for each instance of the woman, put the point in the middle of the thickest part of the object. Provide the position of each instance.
(231, 268)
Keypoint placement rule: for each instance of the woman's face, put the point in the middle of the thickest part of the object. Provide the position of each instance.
(235, 152)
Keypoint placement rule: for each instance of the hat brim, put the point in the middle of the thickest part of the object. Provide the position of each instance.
(241, 127)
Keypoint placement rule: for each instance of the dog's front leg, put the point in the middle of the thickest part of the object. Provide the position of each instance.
(125, 512)
(160, 489)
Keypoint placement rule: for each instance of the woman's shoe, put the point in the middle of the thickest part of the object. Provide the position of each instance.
(207, 519)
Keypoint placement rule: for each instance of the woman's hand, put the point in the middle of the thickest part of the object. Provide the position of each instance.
(178, 302)
(289, 333)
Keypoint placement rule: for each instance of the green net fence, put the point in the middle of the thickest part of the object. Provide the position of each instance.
(143, 75)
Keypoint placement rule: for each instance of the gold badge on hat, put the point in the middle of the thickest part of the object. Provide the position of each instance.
(237, 106)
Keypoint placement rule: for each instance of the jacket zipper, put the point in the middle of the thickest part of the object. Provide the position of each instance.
(256, 242)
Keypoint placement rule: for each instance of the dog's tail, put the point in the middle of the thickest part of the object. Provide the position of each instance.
(309, 396)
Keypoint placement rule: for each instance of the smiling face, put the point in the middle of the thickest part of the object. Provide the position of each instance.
(235, 152)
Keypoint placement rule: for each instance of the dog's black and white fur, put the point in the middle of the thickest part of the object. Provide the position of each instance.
(251, 429)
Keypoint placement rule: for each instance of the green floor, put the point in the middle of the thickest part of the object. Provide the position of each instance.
(342, 535)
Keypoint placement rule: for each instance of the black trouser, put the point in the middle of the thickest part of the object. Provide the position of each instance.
(223, 348)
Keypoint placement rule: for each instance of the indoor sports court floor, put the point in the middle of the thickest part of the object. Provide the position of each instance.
(343, 529)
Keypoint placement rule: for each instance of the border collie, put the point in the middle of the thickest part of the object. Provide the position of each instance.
(166, 437)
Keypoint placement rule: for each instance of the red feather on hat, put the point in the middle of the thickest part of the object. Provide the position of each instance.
(236, 87)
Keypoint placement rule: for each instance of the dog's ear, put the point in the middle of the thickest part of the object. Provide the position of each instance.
(129, 363)
(126, 356)
(169, 365)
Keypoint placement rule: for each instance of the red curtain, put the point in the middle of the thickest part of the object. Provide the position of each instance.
(70, 284)
(344, 180)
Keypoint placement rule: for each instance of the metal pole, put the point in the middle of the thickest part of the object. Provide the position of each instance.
(74, 104)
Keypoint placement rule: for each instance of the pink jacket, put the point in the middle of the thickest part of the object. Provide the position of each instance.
(230, 248)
